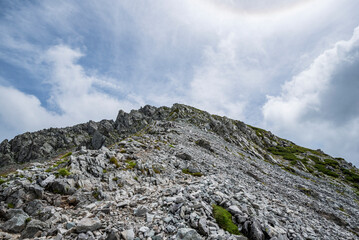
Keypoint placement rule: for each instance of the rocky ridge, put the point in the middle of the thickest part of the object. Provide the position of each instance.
(157, 173)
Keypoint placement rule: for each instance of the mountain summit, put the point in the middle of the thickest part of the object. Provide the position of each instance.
(172, 173)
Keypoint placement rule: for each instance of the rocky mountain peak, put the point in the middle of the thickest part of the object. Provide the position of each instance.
(172, 173)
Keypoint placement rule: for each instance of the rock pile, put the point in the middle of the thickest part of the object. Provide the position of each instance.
(163, 180)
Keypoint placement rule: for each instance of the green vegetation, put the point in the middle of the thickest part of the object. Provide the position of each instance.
(10, 205)
(322, 168)
(130, 164)
(352, 177)
(115, 179)
(123, 151)
(63, 172)
(96, 194)
(2, 181)
(157, 169)
(104, 171)
(171, 146)
(66, 155)
(196, 174)
(28, 219)
(114, 161)
(331, 163)
(315, 159)
(224, 220)
(259, 131)
(286, 152)
(289, 169)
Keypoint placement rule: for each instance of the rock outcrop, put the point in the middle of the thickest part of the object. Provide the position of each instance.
(158, 173)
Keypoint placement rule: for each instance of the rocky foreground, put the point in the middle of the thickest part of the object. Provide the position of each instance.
(163, 179)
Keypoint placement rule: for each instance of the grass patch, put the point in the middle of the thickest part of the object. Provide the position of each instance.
(289, 169)
(114, 161)
(326, 171)
(63, 172)
(66, 155)
(315, 159)
(2, 181)
(10, 205)
(350, 176)
(259, 131)
(196, 174)
(331, 163)
(286, 152)
(130, 164)
(224, 220)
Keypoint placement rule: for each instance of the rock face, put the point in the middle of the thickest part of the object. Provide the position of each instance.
(156, 173)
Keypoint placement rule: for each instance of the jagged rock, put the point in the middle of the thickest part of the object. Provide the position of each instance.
(16, 224)
(34, 227)
(98, 140)
(202, 226)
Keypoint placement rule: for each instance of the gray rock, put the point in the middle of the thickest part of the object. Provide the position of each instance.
(234, 210)
(34, 227)
(113, 235)
(97, 140)
(48, 180)
(202, 227)
(62, 186)
(184, 156)
(88, 224)
(70, 225)
(128, 234)
(140, 211)
(187, 234)
(16, 224)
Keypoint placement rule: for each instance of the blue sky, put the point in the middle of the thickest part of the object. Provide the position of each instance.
(289, 66)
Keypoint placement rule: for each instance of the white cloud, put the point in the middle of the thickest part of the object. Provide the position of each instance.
(302, 111)
(72, 94)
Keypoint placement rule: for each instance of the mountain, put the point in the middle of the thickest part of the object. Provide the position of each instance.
(173, 173)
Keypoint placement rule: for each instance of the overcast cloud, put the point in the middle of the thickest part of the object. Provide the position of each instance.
(291, 67)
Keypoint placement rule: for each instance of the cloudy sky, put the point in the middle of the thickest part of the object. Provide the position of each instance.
(289, 66)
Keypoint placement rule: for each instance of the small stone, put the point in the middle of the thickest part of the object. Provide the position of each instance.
(187, 234)
(141, 211)
(144, 229)
(88, 224)
(149, 217)
(70, 225)
(170, 228)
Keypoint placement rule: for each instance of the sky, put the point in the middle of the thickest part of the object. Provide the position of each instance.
(288, 66)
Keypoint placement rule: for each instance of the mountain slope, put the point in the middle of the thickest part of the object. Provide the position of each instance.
(162, 173)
